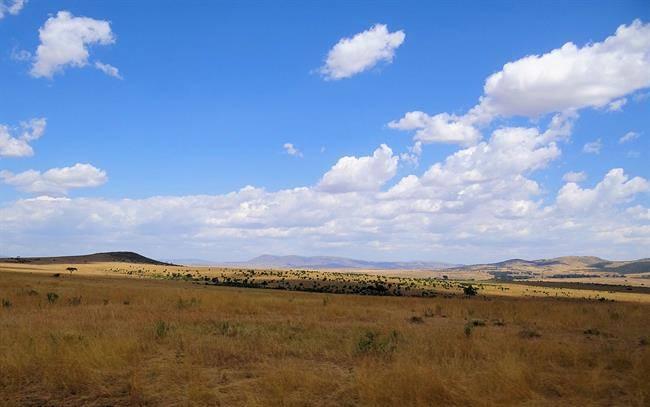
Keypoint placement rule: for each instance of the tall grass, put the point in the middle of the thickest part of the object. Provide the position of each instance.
(161, 342)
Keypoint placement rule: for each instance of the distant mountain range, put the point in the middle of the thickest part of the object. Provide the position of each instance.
(566, 267)
(566, 264)
(330, 262)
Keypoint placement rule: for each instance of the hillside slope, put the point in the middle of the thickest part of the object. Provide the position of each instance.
(107, 257)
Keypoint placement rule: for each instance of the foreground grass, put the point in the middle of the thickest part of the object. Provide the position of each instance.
(121, 341)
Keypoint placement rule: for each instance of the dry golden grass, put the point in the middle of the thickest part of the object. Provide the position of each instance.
(110, 339)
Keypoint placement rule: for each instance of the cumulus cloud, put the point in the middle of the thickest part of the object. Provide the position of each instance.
(56, 181)
(12, 7)
(593, 147)
(363, 51)
(441, 128)
(572, 77)
(15, 142)
(368, 173)
(65, 40)
(465, 225)
(575, 177)
(109, 70)
(479, 198)
(629, 136)
(563, 80)
(290, 149)
(616, 187)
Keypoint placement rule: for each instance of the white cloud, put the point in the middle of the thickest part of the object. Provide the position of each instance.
(55, 181)
(351, 56)
(65, 40)
(478, 204)
(12, 7)
(575, 177)
(629, 136)
(563, 80)
(290, 149)
(12, 145)
(109, 70)
(351, 174)
(615, 188)
(441, 128)
(593, 147)
(572, 77)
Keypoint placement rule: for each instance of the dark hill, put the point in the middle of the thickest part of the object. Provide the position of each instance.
(108, 257)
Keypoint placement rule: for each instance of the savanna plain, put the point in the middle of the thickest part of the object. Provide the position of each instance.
(125, 334)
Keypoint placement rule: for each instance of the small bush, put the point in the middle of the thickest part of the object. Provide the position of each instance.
(192, 302)
(374, 343)
(468, 329)
(498, 322)
(529, 333)
(470, 290)
(416, 320)
(52, 297)
(74, 301)
(161, 329)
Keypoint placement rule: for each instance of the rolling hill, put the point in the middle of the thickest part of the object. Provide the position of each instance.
(107, 257)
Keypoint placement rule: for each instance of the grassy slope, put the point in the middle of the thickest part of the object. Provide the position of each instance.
(142, 341)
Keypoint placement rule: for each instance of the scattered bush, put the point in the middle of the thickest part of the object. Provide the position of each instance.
(161, 329)
(52, 297)
(192, 302)
(416, 320)
(529, 333)
(374, 343)
(468, 330)
(74, 301)
(470, 290)
(477, 322)
(498, 322)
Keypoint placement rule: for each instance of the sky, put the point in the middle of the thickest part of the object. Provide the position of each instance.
(446, 131)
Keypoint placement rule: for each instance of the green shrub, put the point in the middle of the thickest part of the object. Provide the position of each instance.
(52, 297)
(374, 343)
(470, 290)
(161, 329)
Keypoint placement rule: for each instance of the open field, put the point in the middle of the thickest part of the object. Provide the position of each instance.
(102, 336)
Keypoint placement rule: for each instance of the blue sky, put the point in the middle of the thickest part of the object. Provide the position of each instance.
(210, 92)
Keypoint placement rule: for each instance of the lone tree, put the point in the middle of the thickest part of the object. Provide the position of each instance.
(71, 269)
(470, 290)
